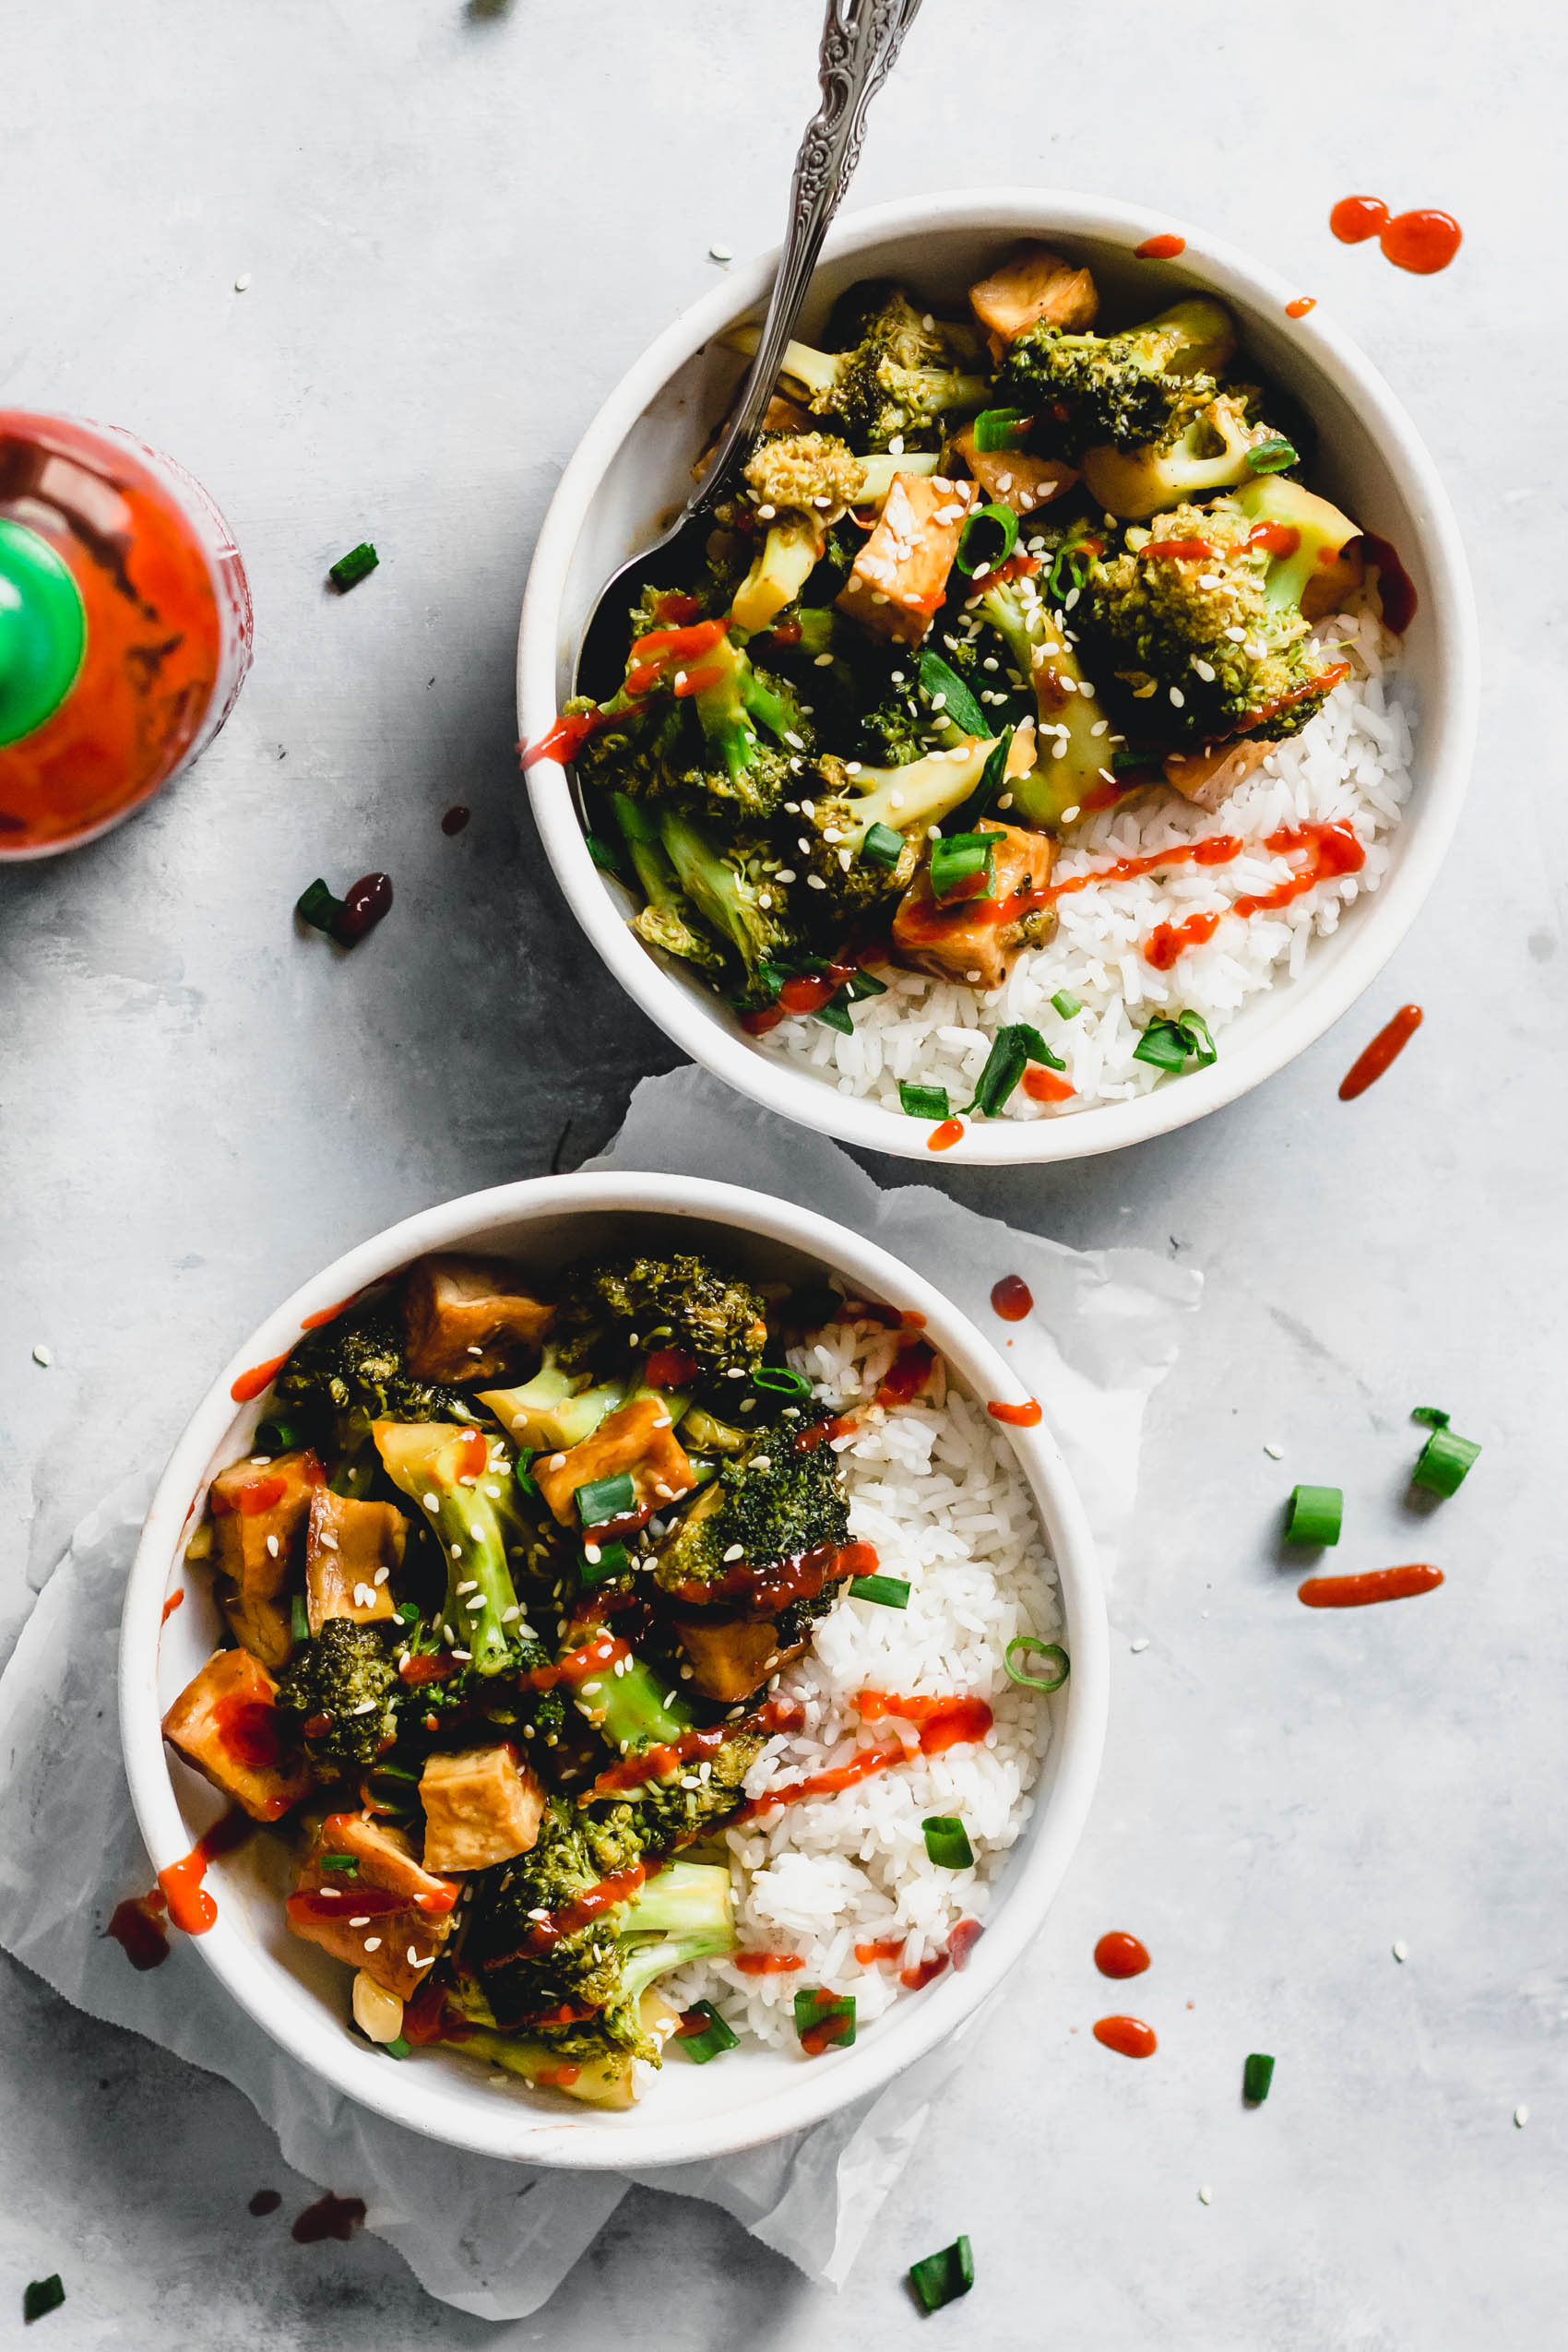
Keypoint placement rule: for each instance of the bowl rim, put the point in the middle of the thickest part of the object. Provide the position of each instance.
(1304, 1012)
(589, 2139)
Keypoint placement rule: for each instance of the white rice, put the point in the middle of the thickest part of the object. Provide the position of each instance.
(934, 1486)
(1351, 763)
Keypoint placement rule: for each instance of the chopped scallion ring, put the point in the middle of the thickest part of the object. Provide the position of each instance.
(1011, 1051)
(1069, 571)
(923, 1102)
(316, 905)
(943, 686)
(1433, 1416)
(1067, 1004)
(42, 2296)
(963, 865)
(1272, 456)
(825, 2020)
(613, 1561)
(398, 2047)
(1171, 1040)
(1256, 2077)
(605, 1499)
(1315, 1514)
(983, 799)
(987, 538)
(941, 2278)
(882, 846)
(357, 565)
(780, 1378)
(298, 1621)
(409, 1611)
(1002, 428)
(1028, 1646)
(947, 1842)
(346, 1863)
(710, 2037)
(865, 984)
(835, 1014)
(1443, 1463)
(889, 1592)
(526, 1483)
(276, 1437)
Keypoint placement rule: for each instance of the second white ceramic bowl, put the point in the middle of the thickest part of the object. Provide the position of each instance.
(633, 463)
(298, 1996)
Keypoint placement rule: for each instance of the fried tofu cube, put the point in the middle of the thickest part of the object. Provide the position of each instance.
(639, 1438)
(1209, 778)
(979, 940)
(900, 575)
(466, 1318)
(225, 1722)
(387, 1915)
(1014, 476)
(1031, 284)
(257, 1510)
(731, 1658)
(481, 1806)
(352, 1548)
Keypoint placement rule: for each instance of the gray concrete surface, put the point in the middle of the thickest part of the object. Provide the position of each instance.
(459, 224)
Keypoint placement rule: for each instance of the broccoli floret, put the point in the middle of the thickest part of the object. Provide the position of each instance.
(631, 1703)
(464, 1484)
(1210, 449)
(644, 742)
(1071, 750)
(1125, 389)
(778, 1501)
(801, 483)
(557, 1408)
(669, 920)
(353, 1372)
(734, 888)
(669, 1814)
(838, 812)
(681, 1301)
(345, 1688)
(1196, 626)
(734, 701)
(904, 376)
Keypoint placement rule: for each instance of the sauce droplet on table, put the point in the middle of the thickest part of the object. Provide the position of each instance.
(1128, 2036)
(330, 2216)
(456, 819)
(1356, 217)
(266, 2200)
(1300, 306)
(1375, 1585)
(1024, 1416)
(1012, 1299)
(1120, 1955)
(1163, 248)
(1423, 241)
(1389, 1042)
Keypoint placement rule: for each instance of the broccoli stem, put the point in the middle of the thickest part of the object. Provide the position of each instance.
(441, 1468)
(684, 1901)
(634, 1709)
(1322, 532)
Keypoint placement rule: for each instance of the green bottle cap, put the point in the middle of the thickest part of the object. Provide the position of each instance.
(43, 630)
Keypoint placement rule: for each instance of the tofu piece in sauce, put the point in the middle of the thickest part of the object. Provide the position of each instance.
(225, 1722)
(466, 1319)
(352, 1548)
(258, 1509)
(900, 575)
(731, 1658)
(393, 1941)
(638, 1438)
(979, 940)
(481, 1806)
(1014, 476)
(1029, 285)
(1209, 778)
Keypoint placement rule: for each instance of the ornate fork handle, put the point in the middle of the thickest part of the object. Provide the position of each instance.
(860, 41)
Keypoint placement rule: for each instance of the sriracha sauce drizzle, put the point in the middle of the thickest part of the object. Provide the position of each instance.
(1389, 1042)
(1374, 1585)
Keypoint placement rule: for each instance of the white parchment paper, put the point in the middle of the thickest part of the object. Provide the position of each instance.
(493, 2238)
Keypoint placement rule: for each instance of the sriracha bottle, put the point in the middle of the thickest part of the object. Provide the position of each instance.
(124, 628)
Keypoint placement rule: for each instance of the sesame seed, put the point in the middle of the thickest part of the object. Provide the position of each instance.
(895, 446)
(330, 1894)
(1067, 814)
(1521, 2117)
(361, 1919)
(846, 858)
(463, 1656)
(1139, 1646)
(1177, 697)
(373, 1943)
(719, 253)
(796, 742)
(822, 662)
(476, 1351)
(1206, 2196)
(382, 1574)
(243, 281)
(1401, 1951)
(366, 1706)
(430, 1502)
(1236, 636)
(1275, 1452)
(272, 1545)
(815, 882)
(788, 874)
(260, 1461)
(413, 1956)
(468, 1585)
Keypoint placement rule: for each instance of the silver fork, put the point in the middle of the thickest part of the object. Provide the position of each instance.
(861, 39)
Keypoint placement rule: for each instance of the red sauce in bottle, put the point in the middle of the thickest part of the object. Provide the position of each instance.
(1130, 2036)
(330, 2216)
(1395, 589)
(1163, 248)
(1389, 1042)
(1300, 306)
(766, 1964)
(171, 1604)
(1024, 1416)
(260, 1377)
(124, 627)
(1377, 1584)
(456, 819)
(943, 1137)
(1357, 217)
(191, 1908)
(1120, 1954)
(140, 1933)
(1422, 242)
(1012, 1299)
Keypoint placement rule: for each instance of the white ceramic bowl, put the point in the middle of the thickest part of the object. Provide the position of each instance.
(633, 464)
(298, 1996)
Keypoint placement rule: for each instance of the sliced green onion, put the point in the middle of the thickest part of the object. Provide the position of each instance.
(882, 846)
(1029, 1645)
(1256, 2077)
(394, 1772)
(865, 984)
(1002, 428)
(42, 2296)
(397, 2047)
(941, 2278)
(1067, 1004)
(1315, 1514)
(1171, 1040)
(963, 865)
(347, 1863)
(1070, 569)
(833, 2013)
(605, 1499)
(947, 1842)
(781, 1379)
(1272, 456)
(889, 1592)
(714, 2039)
(835, 1014)
(409, 1611)
(943, 686)
(276, 1437)
(602, 853)
(1433, 1416)
(1444, 1461)
(357, 565)
(299, 1619)
(988, 538)
(613, 1561)
(983, 801)
(317, 907)
(1011, 1051)
(923, 1102)
(527, 1483)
